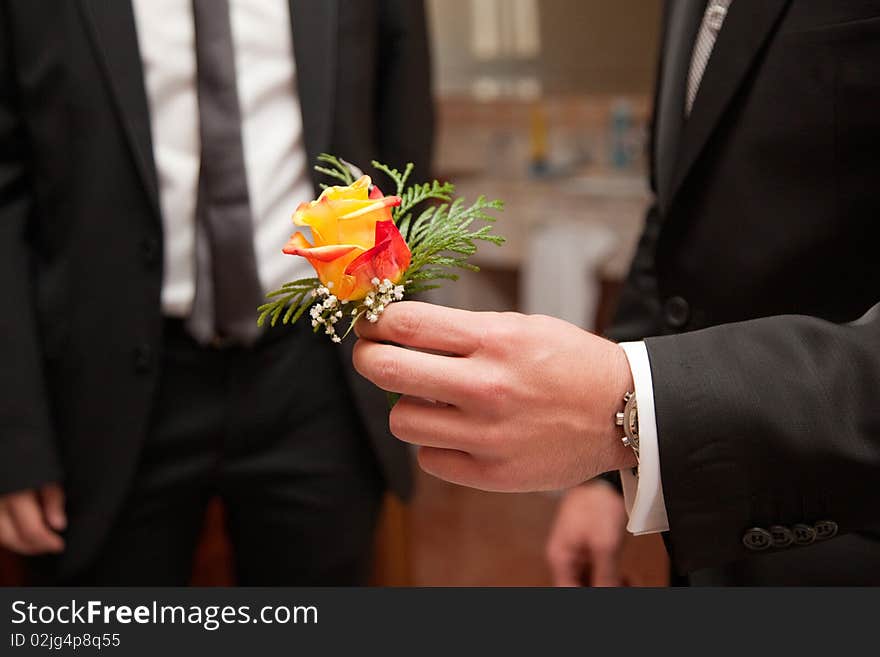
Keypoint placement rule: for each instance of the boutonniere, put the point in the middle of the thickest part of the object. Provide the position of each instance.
(370, 250)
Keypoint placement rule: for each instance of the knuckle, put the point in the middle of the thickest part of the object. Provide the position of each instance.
(387, 370)
(491, 434)
(407, 326)
(502, 329)
(491, 388)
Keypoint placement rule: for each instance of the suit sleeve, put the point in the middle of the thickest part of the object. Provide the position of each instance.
(774, 421)
(27, 452)
(406, 108)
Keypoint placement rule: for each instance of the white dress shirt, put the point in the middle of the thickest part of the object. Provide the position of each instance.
(278, 173)
(643, 495)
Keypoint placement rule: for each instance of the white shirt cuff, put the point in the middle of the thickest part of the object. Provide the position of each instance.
(643, 495)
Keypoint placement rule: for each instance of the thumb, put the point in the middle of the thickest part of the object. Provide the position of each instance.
(52, 497)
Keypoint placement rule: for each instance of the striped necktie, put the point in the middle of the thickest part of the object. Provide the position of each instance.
(713, 19)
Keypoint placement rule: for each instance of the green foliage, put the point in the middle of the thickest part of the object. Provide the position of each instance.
(443, 238)
(337, 168)
(295, 296)
(395, 175)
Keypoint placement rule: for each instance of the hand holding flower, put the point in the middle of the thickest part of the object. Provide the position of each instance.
(491, 427)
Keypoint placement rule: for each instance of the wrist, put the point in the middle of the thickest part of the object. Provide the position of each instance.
(617, 455)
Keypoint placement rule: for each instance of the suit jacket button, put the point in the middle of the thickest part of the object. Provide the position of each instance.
(782, 536)
(757, 539)
(825, 529)
(143, 359)
(677, 312)
(803, 534)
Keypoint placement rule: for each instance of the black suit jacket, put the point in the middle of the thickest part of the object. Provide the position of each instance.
(755, 272)
(80, 230)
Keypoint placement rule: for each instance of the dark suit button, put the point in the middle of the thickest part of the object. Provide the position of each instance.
(803, 534)
(757, 539)
(143, 359)
(677, 312)
(782, 536)
(825, 529)
(150, 251)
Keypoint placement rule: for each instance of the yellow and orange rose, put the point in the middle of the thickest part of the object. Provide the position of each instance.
(355, 239)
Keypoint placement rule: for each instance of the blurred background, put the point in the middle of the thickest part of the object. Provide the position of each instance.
(541, 103)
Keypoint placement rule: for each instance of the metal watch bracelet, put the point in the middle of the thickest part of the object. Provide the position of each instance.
(628, 418)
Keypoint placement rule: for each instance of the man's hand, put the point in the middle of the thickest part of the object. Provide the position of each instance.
(30, 520)
(520, 402)
(586, 541)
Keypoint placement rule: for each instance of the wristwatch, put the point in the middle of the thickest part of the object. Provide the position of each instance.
(628, 418)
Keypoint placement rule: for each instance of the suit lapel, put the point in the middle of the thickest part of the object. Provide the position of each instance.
(314, 25)
(744, 33)
(113, 33)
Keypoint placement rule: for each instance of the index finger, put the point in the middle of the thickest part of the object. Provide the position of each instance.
(425, 326)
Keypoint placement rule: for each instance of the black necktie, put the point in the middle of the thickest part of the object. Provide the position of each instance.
(227, 284)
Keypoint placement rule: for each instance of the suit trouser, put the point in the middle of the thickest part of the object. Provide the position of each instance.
(270, 430)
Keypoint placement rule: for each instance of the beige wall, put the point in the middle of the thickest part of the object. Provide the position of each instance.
(587, 46)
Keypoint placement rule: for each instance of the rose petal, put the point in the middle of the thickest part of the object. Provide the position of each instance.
(389, 258)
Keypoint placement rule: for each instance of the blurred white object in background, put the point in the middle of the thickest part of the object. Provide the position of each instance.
(560, 273)
(505, 29)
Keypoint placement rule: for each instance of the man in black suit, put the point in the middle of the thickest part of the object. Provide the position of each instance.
(134, 387)
(755, 417)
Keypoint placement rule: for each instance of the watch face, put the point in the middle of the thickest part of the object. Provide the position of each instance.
(632, 419)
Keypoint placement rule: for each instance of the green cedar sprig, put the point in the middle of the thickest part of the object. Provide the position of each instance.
(295, 296)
